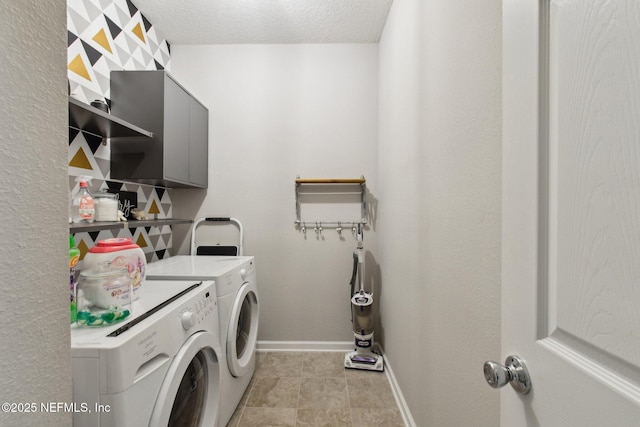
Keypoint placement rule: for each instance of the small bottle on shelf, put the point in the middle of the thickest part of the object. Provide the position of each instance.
(82, 205)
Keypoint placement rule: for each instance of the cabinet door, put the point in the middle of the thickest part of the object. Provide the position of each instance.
(198, 144)
(176, 132)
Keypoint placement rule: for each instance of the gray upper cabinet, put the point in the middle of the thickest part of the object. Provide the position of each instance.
(177, 155)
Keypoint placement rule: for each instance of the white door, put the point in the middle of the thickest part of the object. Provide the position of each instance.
(571, 211)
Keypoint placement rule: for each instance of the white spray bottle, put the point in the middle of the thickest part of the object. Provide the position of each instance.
(82, 204)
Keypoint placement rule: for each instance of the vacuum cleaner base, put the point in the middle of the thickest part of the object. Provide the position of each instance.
(366, 361)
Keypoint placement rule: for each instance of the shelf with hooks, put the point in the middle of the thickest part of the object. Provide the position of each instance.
(360, 180)
(360, 185)
(319, 226)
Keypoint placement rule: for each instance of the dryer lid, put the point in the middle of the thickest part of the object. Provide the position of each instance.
(181, 267)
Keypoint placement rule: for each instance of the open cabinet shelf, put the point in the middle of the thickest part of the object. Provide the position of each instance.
(90, 119)
(97, 226)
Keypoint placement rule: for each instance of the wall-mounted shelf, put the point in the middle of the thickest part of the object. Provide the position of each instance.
(361, 185)
(97, 226)
(90, 119)
(331, 181)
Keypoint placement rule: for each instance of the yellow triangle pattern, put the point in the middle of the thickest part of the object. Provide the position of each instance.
(77, 66)
(80, 160)
(82, 246)
(153, 209)
(137, 30)
(101, 39)
(140, 241)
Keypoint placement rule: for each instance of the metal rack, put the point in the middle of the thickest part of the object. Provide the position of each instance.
(318, 225)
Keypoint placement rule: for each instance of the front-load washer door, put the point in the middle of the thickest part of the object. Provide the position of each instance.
(243, 331)
(189, 394)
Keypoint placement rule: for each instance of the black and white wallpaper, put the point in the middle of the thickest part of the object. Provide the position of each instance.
(106, 35)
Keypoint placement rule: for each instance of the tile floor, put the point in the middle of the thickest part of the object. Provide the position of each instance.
(314, 389)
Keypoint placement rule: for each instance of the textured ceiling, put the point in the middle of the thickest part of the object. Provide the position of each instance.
(267, 21)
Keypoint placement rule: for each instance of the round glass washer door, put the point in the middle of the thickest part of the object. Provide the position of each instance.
(188, 396)
(243, 331)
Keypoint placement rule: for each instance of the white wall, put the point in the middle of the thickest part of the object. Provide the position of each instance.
(275, 112)
(439, 205)
(318, 110)
(35, 357)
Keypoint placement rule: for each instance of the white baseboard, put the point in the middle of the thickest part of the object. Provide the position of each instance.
(337, 346)
(397, 393)
(262, 346)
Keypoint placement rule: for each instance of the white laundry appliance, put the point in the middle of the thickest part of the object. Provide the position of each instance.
(161, 367)
(235, 279)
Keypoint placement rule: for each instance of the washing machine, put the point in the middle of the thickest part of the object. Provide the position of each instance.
(238, 311)
(159, 368)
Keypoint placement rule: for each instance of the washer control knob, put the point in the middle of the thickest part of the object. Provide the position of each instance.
(188, 319)
(243, 273)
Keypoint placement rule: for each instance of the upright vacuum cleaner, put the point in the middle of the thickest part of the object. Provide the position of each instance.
(364, 356)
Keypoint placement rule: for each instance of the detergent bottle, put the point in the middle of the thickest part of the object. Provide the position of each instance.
(74, 257)
(82, 204)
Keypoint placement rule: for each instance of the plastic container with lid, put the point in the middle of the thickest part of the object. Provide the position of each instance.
(106, 205)
(104, 295)
(123, 253)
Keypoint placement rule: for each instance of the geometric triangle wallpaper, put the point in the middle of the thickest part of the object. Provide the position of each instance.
(103, 36)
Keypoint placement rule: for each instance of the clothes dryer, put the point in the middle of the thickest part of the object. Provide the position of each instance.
(159, 368)
(238, 310)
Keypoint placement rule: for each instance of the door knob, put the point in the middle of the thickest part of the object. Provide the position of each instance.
(513, 371)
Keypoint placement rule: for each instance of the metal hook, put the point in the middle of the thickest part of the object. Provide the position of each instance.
(304, 228)
(320, 228)
(339, 228)
(316, 228)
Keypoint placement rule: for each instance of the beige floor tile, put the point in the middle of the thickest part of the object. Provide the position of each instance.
(363, 373)
(323, 418)
(260, 356)
(268, 417)
(323, 393)
(235, 418)
(376, 417)
(274, 393)
(245, 396)
(314, 389)
(280, 364)
(370, 393)
(323, 365)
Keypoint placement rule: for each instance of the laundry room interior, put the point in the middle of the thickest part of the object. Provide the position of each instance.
(403, 95)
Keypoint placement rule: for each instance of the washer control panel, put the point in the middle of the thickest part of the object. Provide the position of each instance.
(248, 271)
(199, 309)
